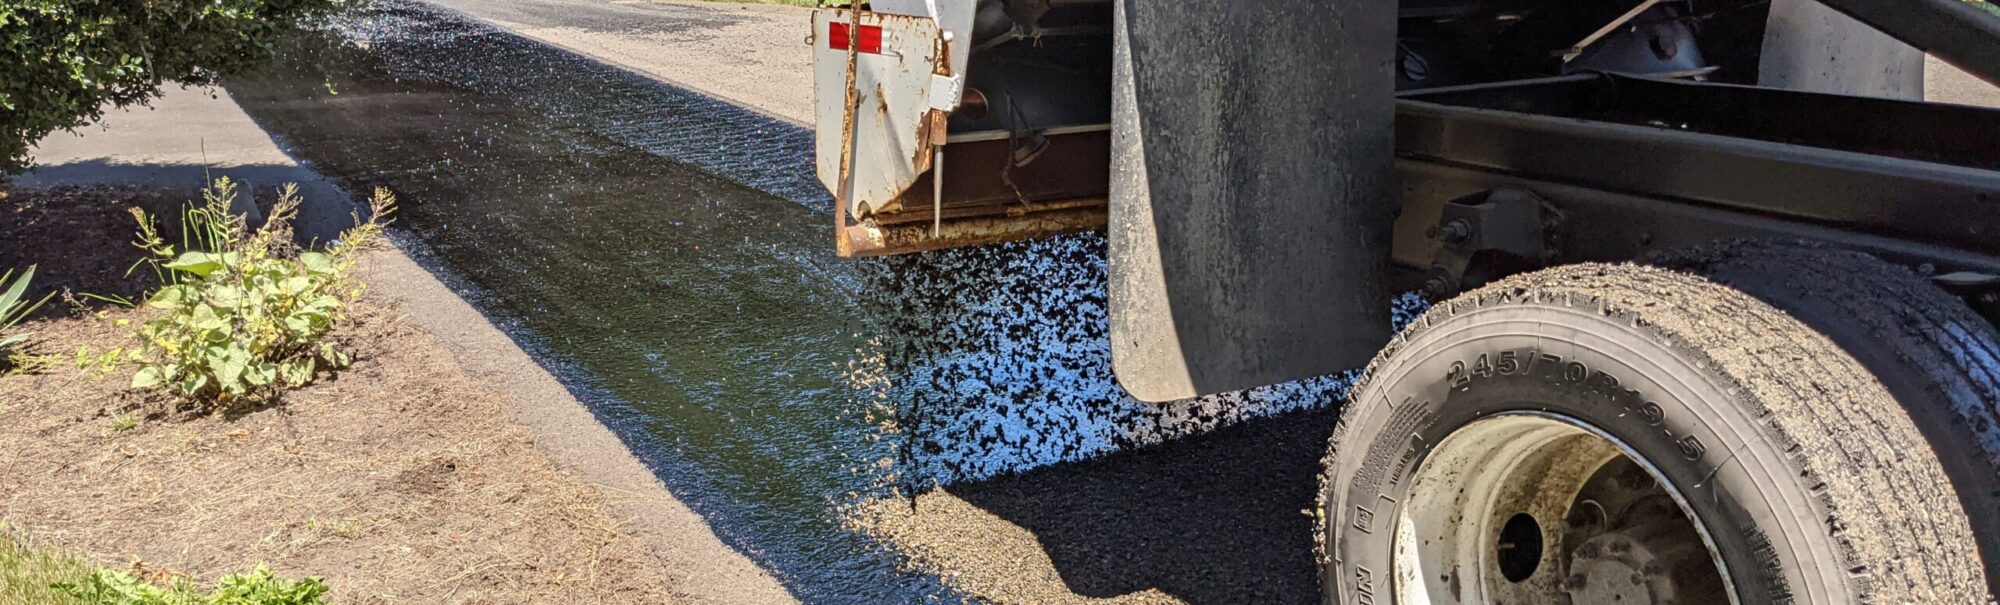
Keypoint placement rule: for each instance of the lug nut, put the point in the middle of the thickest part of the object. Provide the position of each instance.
(1639, 578)
(1617, 547)
(1575, 581)
(1455, 231)
(1437, 288)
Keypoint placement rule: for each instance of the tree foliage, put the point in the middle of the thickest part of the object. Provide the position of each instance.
(61, 61)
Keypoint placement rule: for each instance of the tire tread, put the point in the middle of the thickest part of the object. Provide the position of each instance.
(1893, 514)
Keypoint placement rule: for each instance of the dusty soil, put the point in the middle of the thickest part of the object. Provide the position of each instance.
(41, 227)
(80, 238)
(399, 480)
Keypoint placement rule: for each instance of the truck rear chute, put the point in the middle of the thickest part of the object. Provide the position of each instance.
(941, 148)
(886, 66)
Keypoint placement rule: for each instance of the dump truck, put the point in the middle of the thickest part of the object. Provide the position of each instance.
(1714, 286)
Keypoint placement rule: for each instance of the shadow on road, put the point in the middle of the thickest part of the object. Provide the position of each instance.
(1217, 518)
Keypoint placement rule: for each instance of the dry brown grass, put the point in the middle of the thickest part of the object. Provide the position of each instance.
(399, 481)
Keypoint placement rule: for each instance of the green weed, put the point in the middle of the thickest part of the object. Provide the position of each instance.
(257, 587)
(244, 313)
(122, 422)
(31, 575)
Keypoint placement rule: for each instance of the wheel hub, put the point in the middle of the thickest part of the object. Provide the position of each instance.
(1533, 509)
(1614, 568)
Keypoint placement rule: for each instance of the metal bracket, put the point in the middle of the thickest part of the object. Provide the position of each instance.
(946, 92)
(1576, 50)
(1514, 227)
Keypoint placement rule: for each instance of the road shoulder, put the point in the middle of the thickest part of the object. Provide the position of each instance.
(192, 135)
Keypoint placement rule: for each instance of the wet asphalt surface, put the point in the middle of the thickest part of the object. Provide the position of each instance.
(668, 256)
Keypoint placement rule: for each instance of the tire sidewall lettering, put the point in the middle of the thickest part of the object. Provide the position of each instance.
(1460, 383)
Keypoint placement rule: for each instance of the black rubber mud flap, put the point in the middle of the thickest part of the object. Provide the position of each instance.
(1251, 195)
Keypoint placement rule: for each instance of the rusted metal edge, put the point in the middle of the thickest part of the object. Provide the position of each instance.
(845, 197)
(871, 238)
(1010, 209)
(932, 132)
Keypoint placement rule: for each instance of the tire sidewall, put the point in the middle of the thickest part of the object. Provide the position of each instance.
(1664, 404)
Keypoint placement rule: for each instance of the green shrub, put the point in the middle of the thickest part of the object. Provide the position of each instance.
(32, 575)
(258, 587)
(245, 313)
(61, 61)
(14, 308)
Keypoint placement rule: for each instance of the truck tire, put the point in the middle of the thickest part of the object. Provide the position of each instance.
(1937, 356)
(1618, 433)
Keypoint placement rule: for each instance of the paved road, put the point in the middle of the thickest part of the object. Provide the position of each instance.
(185, 138)
(1205, 519)
(1947, 84)
(751, 54)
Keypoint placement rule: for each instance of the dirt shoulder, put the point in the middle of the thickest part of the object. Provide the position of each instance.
(697, 564)
(444, 467)
(400, 480)
(542, 503)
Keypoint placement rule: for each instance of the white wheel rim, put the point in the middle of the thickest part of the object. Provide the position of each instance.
(1450, 546)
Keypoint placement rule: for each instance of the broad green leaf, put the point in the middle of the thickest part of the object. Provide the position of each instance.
(334, 356)
(297, 372)
(171, 296)
(258, 375)
(225, 296)
(229, 367)
(300, 325)
(147, 377)
(206, 319)
(317, 262)
(196, 263)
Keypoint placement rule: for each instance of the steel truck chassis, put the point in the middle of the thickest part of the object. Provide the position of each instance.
(1627, 165)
